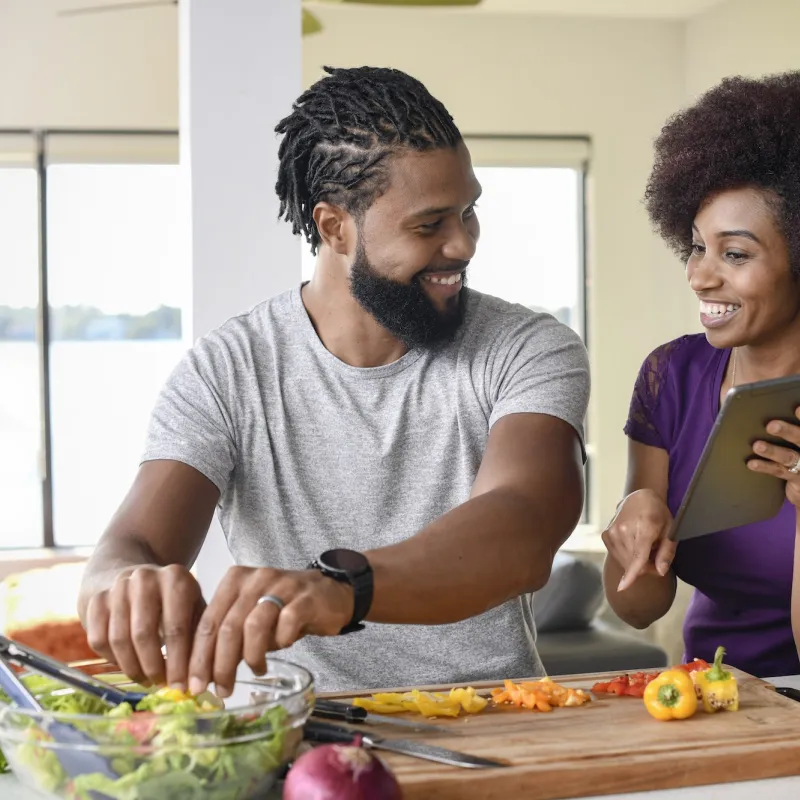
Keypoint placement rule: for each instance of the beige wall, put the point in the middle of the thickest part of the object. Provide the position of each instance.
(616, 81)
(115, 70)
(742, 37)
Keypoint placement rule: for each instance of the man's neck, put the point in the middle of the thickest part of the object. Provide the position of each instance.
(346, 329)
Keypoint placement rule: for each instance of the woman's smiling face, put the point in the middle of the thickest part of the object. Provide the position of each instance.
(740, 270)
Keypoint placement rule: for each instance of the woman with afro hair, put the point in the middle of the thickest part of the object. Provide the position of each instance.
(725, 194)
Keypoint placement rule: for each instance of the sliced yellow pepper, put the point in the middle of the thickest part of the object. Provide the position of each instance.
(393, 698)
(377, 708)
(469, 700)
(717, 687)
(671, 696)
(429, 704)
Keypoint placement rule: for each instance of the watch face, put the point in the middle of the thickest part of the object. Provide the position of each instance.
(344, 560)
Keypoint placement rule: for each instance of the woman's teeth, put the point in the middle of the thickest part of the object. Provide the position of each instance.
(445, 281)
(717, 309)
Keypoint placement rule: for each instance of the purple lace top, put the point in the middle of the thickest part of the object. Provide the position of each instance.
(743, 576)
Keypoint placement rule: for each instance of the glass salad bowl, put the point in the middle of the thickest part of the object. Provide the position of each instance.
(178, 748)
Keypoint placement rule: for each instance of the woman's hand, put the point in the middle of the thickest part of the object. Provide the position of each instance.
(637, 537)
(782, 462)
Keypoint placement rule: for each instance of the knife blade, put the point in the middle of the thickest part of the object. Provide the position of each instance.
(324, 732)
(334, 709)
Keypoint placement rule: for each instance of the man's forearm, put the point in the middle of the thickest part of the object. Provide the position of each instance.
(490, 549)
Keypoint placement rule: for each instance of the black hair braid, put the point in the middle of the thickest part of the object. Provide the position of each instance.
(339, 134)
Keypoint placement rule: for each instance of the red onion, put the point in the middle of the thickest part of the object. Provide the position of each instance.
(340, 772)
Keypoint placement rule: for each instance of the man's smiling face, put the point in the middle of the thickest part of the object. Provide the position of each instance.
(415, 243)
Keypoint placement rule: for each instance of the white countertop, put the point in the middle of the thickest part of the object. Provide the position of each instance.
(774, 788)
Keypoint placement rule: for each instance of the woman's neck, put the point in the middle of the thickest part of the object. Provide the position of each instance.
(774, 359)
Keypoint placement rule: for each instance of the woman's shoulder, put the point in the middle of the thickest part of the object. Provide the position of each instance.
(688, 358)
(669, 379)
(688, 347)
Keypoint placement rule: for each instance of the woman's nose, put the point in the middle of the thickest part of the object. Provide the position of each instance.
(702, 274)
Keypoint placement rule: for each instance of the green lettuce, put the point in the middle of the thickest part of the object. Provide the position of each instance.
(172, 760)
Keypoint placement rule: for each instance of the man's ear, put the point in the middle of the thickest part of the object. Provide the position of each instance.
(333, 226)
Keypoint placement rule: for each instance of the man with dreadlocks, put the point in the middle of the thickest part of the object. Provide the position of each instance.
(384, 445)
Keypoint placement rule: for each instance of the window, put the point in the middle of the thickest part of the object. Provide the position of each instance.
(20, 443)
(115, 279)
(531, 212)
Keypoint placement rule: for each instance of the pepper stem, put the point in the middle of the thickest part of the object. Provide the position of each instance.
(716, 672)
(669, 695)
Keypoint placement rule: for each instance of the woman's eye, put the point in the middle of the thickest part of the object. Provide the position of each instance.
(698, 249)
(736, 255)
(470, 212)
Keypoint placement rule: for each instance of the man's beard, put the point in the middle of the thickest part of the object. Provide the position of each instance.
(403, 308)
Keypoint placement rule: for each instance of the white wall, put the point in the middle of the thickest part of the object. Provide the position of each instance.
(616, 81)
(236, 81)
(742, 37)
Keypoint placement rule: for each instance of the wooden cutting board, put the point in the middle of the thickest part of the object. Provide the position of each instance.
(611, 745)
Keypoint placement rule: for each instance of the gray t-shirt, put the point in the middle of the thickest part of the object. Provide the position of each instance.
(310, 453)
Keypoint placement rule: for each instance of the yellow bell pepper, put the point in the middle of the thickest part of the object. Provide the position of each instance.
(671, 696)
(717, 687)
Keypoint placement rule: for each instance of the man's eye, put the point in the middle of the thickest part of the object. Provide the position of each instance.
(470, 212)
(429, 227)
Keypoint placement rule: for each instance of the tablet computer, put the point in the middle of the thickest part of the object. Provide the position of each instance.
(723, 492)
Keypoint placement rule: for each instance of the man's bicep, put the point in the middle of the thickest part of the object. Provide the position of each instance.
(539, 457)
(168, 509)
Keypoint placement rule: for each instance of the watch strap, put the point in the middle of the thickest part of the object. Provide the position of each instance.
(362, 593)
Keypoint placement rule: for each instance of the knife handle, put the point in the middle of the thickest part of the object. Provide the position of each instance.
(325, 733)
(330, 709)
(788, 691)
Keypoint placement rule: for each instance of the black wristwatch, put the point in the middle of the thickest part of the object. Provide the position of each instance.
(349, 566)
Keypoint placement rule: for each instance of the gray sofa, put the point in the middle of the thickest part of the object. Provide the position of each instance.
(572, 638)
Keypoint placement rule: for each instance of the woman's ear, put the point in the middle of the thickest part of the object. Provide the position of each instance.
(333, 228)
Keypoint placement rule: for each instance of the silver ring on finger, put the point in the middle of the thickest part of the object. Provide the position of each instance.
(795, 470)
(271, 598)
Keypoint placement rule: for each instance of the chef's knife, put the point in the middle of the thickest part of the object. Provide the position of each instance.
(324, 732)
(788, 691)
(333, 709)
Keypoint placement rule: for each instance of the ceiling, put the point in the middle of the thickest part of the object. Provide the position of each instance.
(643, 9)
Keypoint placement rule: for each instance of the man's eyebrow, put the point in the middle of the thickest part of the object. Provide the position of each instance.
(434, 210)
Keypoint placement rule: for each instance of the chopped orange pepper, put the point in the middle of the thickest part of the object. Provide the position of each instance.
(543, 695)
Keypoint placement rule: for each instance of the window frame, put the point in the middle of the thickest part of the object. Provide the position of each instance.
(573, 152)
(40, 148)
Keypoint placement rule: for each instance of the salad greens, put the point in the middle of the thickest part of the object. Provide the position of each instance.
(161, 750)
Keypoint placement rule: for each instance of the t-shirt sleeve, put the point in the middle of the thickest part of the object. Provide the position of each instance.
(191, 421)
(646, 423)
(541, 367)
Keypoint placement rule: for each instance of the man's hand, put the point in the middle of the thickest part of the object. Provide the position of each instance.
(236, 626)
(145, 605)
